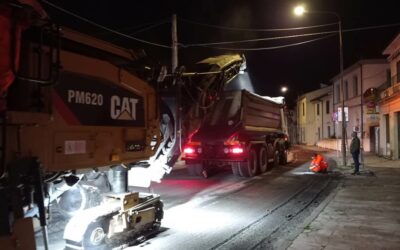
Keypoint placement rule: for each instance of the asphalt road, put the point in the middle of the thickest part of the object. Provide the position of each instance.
(228, 212)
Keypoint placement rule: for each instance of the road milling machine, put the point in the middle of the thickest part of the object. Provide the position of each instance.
(76, 116)
(79, 119)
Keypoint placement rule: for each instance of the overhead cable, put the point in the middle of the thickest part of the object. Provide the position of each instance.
(256, 30)
(139, 27)
(104, 27)
(259, 39)
(268, 48)
(290, 36)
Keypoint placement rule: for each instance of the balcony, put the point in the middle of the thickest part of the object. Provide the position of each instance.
(393, 89)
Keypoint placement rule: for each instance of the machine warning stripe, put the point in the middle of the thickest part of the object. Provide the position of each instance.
(63, 110)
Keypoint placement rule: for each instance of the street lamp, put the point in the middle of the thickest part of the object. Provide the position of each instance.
(284, 89)
(299, 11)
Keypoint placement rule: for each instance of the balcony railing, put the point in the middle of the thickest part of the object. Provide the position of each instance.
(392, 90)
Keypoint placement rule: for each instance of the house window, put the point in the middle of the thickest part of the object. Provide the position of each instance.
(387, 127)
(346, 90)
(304, 112)
(337, 93)
(319, 134)
(398, 71)
(327, 106)
(388, 77)
(329, 131)
(355, 86)
(317, 108)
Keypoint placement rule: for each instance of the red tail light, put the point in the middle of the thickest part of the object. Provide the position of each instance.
(188, 150)
(237, 150)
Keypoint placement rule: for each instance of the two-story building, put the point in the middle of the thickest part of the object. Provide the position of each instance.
(361, 83)
(314, 116)
(390, 104)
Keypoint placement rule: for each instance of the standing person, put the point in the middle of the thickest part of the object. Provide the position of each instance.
(355, 152)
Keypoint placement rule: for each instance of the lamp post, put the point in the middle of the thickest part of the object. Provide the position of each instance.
(299, 11)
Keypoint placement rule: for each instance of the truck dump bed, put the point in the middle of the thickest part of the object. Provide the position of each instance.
(240, 111)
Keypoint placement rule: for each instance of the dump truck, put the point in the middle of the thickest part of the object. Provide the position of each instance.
(244, 130)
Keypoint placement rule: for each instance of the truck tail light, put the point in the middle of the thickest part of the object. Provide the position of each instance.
(237, 150)
(188, 150)
(193, 148)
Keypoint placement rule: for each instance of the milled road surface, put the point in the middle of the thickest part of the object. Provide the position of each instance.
(228, 212)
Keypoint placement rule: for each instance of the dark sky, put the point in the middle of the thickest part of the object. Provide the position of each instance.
(302, 68)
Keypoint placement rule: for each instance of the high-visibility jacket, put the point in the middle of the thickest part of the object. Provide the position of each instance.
(318, 164)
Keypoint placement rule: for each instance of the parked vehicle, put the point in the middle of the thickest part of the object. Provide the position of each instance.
(245, 131)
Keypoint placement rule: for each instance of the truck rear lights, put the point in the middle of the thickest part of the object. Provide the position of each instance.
(237, 150)
(188, 150)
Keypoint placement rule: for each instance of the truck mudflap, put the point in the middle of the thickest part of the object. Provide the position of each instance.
(124, 220)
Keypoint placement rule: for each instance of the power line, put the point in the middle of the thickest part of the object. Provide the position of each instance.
(259, 39)
(105, 28)
(372, 27)
(139, 27)
(268, 48)
(144, 29)
(150, 27)
(255, 30)
(291, 36)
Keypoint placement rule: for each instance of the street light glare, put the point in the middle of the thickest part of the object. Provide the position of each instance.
(284, 89)
(299, 10)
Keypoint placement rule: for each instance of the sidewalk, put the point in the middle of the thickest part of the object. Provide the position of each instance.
(364, 213)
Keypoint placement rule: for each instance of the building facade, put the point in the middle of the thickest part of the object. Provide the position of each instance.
(390, 104)
(314, 116)
(361, 84)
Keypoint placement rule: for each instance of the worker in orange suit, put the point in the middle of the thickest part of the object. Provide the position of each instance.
(318, 164)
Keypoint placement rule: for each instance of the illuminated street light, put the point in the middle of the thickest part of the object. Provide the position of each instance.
(284, 89)
(299, 11)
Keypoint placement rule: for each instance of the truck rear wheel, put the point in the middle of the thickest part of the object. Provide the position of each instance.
(283, 157)
(235, 168)
(276, 158)
(195, 169)
(263, 159)
(249, 168)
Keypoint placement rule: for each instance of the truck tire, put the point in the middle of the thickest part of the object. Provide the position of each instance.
(276, 158)
(283, 157)
(235, 168)
(249, 168)
(263, 159)
(195, 169)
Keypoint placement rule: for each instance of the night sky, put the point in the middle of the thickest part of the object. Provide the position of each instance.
(302, 68)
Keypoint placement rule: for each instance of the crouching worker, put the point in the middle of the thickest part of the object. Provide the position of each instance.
(318, 164)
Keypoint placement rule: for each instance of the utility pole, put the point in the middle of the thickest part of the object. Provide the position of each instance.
(174, 44)
(343, 96)
(362, 116)
(177, 82)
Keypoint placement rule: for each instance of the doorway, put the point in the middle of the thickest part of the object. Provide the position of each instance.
(374, 139)
(398, 134)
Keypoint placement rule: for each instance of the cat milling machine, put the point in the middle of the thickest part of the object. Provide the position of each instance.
(76, 119)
